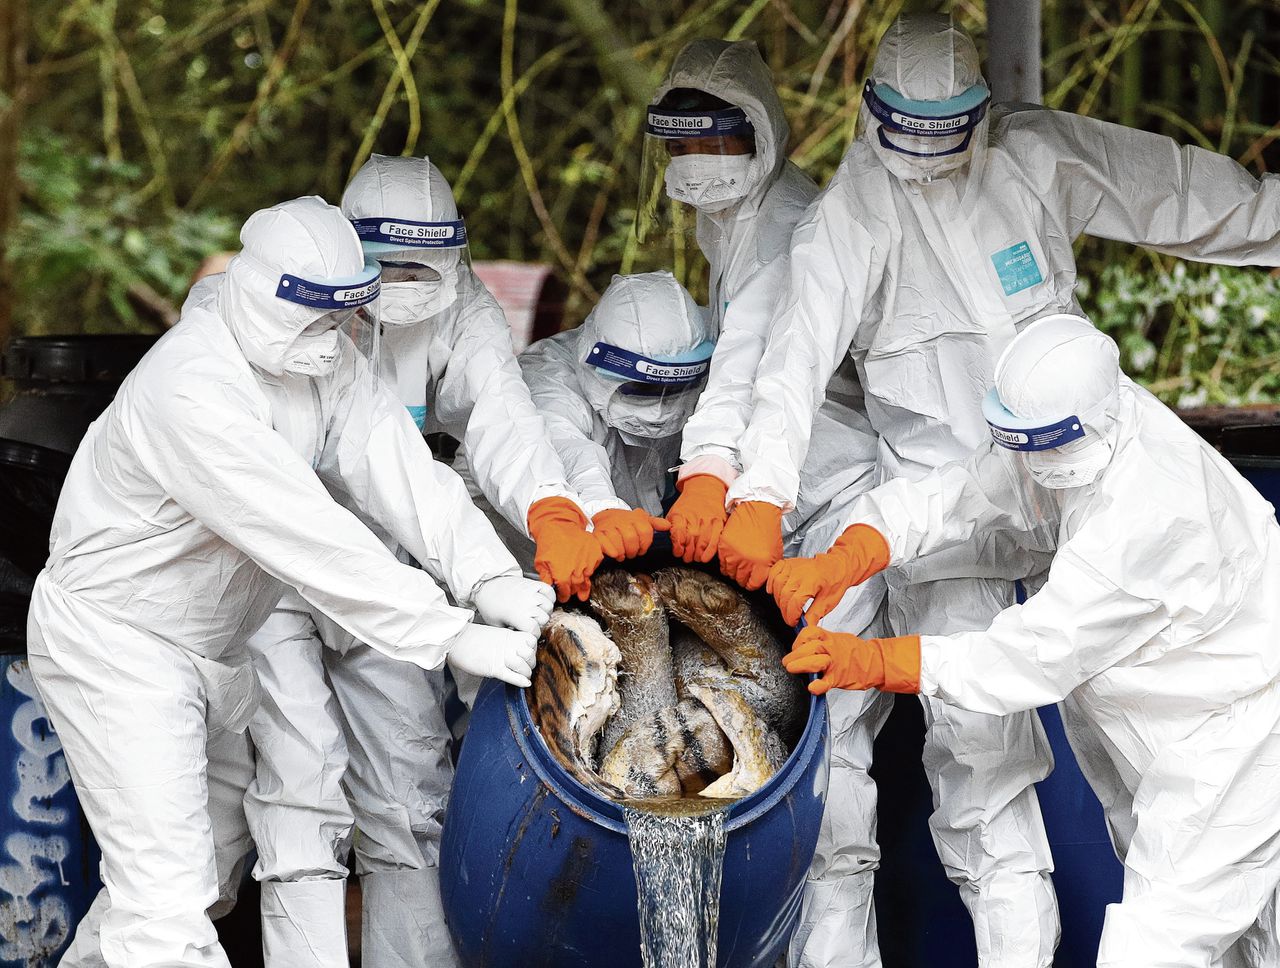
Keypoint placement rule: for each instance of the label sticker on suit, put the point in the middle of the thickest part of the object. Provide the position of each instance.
(1016, 266)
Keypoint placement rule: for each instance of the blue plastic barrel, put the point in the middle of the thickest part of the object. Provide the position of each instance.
(536, 869)
(48, 860)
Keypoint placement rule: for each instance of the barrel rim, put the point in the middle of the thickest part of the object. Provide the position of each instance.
(590, 805)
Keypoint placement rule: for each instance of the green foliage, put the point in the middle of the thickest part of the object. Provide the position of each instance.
(82, 244)
(1194, 334)
(156, 126)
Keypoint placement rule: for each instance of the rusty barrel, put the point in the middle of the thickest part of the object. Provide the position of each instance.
(536, 869)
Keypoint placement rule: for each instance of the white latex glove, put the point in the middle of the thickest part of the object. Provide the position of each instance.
(513, 602)
(495, 653)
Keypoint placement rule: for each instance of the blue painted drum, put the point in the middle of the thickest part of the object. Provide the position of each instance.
(536, 869)
(48, 859)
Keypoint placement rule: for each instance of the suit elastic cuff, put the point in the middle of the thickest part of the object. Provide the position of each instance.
(712, 464)
(933, 649)
(742, 490)
(605, 504)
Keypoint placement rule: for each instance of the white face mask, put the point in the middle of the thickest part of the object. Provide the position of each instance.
(406, 303)
(1072, 465)
(650, 420)
(313, 355)
(710, 183)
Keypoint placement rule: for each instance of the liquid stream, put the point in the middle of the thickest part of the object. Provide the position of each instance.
(677, 850)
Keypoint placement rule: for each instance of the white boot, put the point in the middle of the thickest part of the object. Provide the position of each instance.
(404, 921)
(304, 924)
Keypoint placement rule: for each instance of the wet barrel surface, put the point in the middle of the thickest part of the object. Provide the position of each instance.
(536, 869)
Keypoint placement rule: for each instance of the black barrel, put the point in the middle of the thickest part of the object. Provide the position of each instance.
(1254, 449)
(62, 384)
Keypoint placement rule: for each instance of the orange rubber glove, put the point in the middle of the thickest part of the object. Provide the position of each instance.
(848, 662)
(698, 517)
(627, 533)
(567, 553)
(751, 543)
(860, 552)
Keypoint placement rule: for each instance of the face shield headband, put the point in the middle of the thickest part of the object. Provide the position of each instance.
(642, 376)
(956, 116)
(329, 294)
(383, 235)
(725, 123)
(1029, 436)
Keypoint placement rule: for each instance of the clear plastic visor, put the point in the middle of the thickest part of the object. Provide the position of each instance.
(926, 129)
(644, 378)
(1030, 436)
(348, 305)
(441, 245)
(702, 139)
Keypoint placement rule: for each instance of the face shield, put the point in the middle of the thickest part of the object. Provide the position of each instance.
(349, 305)
(694, 161)
(925, 138)
(645, 397)
(423, 265)
(1067, 452)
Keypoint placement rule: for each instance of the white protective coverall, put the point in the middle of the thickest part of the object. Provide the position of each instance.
(345, 733)
(191, 502)
(618, 451)
(1156, 630)
(922, 283)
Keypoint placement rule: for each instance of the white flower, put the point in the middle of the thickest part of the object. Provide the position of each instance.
(1196, 398)
(1257, 315)
(1208, 315)
(1143, 356)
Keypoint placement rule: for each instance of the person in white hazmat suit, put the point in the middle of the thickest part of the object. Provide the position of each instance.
(638, 362)
(201, 492)
(944, 230)
(1156, 630)
(345, 734)
(716, 148)
(716, 139)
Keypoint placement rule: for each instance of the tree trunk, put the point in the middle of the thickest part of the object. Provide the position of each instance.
(1013, 50)
(13, 64)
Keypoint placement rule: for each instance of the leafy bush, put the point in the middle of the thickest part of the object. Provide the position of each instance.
(1193, 334)
(156, 126)
(83, 242)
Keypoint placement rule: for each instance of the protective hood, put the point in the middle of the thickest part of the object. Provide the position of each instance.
(645, 324)
(1056, 398)
(735, 72)
(405, 197)
(305, 238)
(404, 211)
(925, 58)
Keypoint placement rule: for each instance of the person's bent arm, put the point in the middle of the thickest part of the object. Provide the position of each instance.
(830, 270)
(955, 505)
(710, 439)
(483, 401)
(1078, 625)
(242, 480)
(551, 373)
(375, 454)
(903, 519)
(1146, 189)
